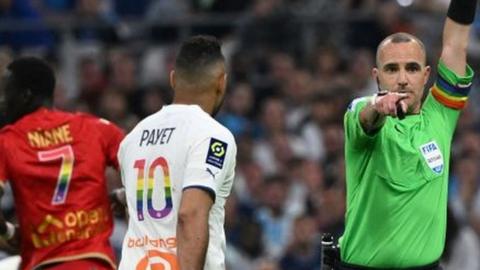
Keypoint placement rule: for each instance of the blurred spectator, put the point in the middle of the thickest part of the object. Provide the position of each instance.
(114, 107)
(296, 91)
(282, 65)
(249, 183)
(333, 141)
(360, 5)
(474, 218)
(238, 110)
(464, 185)
(5, 58)
(462, 246)
(392, 18)
(327, 68)
(97, 19)
(360, 79)
(306, 184)
(268, 73)
(244, 236)
(19, 38)
(297, 190)
(92, 82)
(276, 223)
(167, 9)
(132, 9)
(123, 77)
(432, 6)
(57, 7)
(365, 32)
(275, 147)
(274, 152)
(218, 6)
(264, 16)
(331, 212)
(304, 249)
(467, 142)
(313, 177)
(323, 110)
(266, 264)
(154, 97)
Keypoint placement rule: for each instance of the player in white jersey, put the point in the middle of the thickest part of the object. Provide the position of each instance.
(177, 168)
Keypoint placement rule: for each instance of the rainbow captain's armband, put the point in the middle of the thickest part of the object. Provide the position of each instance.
(450, 89)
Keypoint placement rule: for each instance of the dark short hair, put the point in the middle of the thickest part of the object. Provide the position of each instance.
(197, 54)
(34, 74)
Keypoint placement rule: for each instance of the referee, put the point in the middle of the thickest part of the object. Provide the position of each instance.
(397, 149)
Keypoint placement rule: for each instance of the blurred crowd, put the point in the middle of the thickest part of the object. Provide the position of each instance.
(294, 66)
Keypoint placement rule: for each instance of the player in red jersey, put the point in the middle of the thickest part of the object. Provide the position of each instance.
(55, 162)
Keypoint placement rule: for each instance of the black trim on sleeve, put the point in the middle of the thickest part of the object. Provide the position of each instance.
(210, 191)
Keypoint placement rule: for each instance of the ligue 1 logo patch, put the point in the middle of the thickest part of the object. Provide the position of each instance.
(216, 153)
(433, 156)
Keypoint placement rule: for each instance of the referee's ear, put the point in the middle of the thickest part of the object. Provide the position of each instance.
(375, 77)
(375, 73)
(172, 79)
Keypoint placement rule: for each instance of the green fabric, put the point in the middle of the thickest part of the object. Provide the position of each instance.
(396, 201)
(453, 78)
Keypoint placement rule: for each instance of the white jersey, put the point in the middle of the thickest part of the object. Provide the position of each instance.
(176, 148)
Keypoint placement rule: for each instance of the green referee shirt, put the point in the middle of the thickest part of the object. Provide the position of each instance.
(397, 180)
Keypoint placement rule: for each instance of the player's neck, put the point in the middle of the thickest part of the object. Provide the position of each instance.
(205, 102)
(39, 104)
(13, 114)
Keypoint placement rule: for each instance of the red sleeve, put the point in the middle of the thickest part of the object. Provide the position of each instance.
(3, 161)
(112, 136)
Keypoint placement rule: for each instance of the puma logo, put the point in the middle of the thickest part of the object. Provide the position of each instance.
(211, 173)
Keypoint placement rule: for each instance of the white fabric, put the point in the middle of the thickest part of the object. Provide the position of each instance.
(10, 263)
(188, 139)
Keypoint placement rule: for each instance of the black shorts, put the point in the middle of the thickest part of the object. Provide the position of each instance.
(346, 266)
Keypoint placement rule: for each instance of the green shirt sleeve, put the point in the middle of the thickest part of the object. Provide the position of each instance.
(447, 97)
(355, 136)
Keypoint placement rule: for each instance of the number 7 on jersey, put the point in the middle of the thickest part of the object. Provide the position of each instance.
(65, 153)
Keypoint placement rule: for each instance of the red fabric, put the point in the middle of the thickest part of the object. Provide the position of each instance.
(85, 264)
(38, 152)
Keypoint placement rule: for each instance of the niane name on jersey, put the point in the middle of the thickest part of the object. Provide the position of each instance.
(45, 138)
(156, 136)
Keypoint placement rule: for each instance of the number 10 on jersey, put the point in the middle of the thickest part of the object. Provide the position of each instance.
(140, 166)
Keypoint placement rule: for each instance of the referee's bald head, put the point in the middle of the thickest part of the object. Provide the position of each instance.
(400, 37)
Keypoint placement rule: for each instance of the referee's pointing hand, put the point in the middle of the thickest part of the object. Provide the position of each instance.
(386, 104)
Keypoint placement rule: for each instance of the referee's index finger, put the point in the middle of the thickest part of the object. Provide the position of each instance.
(400, 95)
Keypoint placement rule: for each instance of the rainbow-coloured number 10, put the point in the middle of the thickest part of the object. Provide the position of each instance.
(140, 165)
(65, 153)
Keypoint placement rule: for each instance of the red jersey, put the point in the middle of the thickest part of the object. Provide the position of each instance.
(55, 162)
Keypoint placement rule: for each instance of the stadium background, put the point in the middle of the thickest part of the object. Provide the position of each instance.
(294, 65)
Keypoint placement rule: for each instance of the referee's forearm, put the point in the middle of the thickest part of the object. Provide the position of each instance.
(370, 120)
(456, 33)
